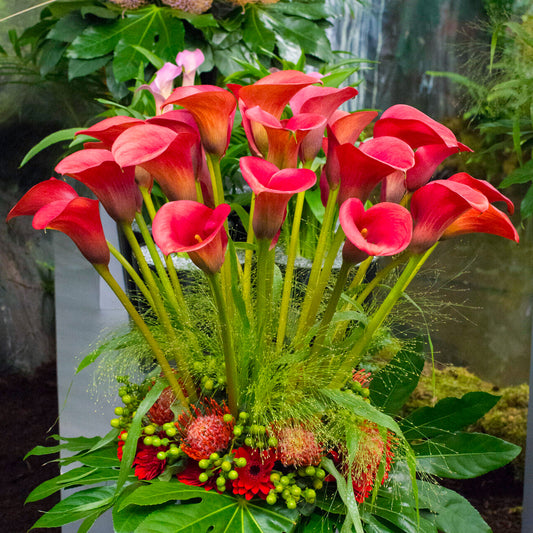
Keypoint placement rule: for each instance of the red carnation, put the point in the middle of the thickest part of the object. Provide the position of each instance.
(254, 478)
(205, 433)
(120, 448)
(147, 465)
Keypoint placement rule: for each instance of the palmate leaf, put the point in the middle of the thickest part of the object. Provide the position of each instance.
(154, 511)
(463, 455)
(448, 415)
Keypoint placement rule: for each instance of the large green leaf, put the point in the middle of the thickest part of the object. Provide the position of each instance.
(75, 444)
(49, 140)
(391, 386)
(449, 511)
(308, 10)
(519, 175)
(100, 458)
(77, 506)
(448, 415)
(463, 455)
(213, 512)
(255, 35)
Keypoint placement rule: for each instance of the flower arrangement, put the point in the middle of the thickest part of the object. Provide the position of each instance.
(257, 410)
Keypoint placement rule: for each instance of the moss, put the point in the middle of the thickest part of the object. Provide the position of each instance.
(507, 420)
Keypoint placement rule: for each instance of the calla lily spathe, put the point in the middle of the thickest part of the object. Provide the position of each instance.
(55, 205)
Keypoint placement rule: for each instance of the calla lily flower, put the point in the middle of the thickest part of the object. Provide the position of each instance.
(213, 109)
(189, 61)
(164, 153)
(115, 187)
(55, 205)
(163, 84)
(284, 137)
(107, 130)
(187, 226)
(437, 205)
(363, 167)
(384, 229)
(272, 94)
(273, 189)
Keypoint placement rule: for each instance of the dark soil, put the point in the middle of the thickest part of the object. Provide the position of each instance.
(29, 411)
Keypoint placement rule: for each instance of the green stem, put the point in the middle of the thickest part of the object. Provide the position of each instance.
(248, 257)
(411, 269)
(213, 164)
(332, 306)
(147, 198)
(321, 246)
(263, 289)
(145, 331)
(323, 278)
(289, 272)
(378, 278)
(133, 274)
(227, 344)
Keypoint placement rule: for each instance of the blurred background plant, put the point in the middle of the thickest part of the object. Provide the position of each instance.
(500, 98)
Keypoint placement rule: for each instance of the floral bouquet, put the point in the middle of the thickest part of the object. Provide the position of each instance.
(269, 394)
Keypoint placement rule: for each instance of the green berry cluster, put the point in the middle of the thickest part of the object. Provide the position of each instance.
(295, 487)
(225, 468)
(131, 395)
(253, 435)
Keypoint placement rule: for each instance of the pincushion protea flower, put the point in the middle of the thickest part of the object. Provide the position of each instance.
(254, 478)
(129, 4)
(205, 432)
(161, 413)
(298, 447)
(371, 451)
(190, 6)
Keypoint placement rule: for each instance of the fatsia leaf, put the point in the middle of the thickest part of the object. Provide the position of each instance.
(463, 455)
(213, 512)
(448, 415)
(391, 386)
(449, 511)
(255, 35)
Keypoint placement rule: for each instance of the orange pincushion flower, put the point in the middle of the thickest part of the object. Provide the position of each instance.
(205, 432)
(298, 447)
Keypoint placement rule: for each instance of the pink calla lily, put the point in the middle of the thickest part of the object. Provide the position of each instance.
(166, 154)
(187, 226)
(363, 167)
(273, 189)
(189, 61)
(55, 205)
(284, 137)
(114, 186)
(163, 84)
(213, 109)
(384, 229)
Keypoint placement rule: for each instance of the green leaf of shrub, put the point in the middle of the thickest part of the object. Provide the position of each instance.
(448, 415)
(391, 386)
(49, 140)
(450, 512)
(463, 455)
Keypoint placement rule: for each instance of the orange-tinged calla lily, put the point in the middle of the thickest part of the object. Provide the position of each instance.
(163, 152)
(284, 137)
(362, 168)
(55, 205)
(382, 230)
(273, 189)
(213, 110)
(188, 226)
(114, 186)
(435, 206)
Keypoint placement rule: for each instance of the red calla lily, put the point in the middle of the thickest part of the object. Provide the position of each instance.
(107, 130)
(115, 187)
(187, 226)
(55, 205)
(213, 109)
(166, 154)
(273, 189)
(384, 229)
(437, 205)
(284, 137)
(362, 168)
